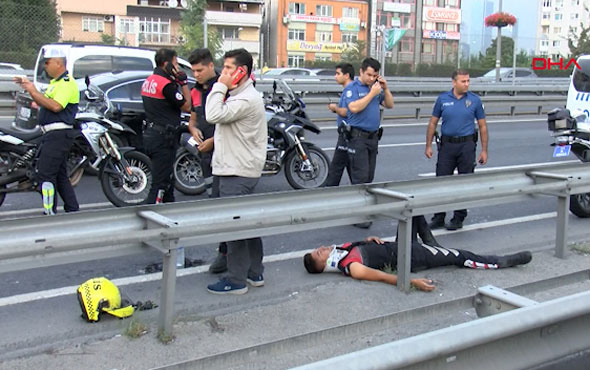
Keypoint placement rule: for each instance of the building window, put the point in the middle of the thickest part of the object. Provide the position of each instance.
(558, 16)
(556, 29)
(547, 3)
(559, 3)
(127, 25)
(544, 43)
(154, 30)
(323, 57)
(574, 16)
(451, 27)
(350, 12)
(428, 47)
(296, 8)
(296, 35)
(406, 45)
(321, 36)
(429, 25)
(92, 24)
(556, 43)
(406, 21)
(430, 2)
(323, 10)
(545, 30)
(230, 33)
(452, 3)
(295, 60)
(574, 29)
(350, 37)
(546, 15)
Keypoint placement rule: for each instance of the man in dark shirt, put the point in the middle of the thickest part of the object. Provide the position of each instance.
(165, 94)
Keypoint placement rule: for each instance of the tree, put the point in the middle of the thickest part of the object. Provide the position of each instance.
(191, 27)
(579, 44)
(355, 53)
(489, 60)
(26, 25)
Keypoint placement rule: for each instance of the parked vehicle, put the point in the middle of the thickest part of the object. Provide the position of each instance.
(570, 128)
(305, 165)
(506, 74)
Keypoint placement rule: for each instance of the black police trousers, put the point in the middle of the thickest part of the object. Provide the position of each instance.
(161, 149)
(362, 154)
(339, 162)
(52, 166)
(455, 155)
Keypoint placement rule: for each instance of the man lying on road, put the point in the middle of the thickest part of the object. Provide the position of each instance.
(364, 260)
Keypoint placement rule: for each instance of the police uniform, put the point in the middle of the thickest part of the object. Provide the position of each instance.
(340, 159)
(364, 133)
(459, 138)
(58, 137)
(162, 101)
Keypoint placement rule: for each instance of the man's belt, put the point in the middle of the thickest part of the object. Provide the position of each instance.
(162, 129)
(357, 132)
(459, 139)
(55, 126)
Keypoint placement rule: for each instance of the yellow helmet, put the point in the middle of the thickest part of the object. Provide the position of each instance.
(101, 295)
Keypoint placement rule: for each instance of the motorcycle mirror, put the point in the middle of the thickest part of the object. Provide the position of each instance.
(87, 81)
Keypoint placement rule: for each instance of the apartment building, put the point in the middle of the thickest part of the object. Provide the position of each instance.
(556, 22)
(156, 23)
(300, 30)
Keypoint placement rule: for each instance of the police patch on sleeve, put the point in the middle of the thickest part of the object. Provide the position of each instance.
(179, 96)
(348, 94)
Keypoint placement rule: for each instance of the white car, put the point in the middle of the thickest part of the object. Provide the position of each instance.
(10, 66)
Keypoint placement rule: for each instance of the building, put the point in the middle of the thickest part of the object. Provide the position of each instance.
(300, 30)
(557, 20)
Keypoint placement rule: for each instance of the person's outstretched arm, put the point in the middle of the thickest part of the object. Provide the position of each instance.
(361, 272)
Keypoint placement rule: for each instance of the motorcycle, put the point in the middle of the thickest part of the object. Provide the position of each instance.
(571, 133)
(306, 165)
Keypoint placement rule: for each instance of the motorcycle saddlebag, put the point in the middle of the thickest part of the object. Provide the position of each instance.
(560, 119)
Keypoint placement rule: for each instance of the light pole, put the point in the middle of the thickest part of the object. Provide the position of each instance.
(499, 47)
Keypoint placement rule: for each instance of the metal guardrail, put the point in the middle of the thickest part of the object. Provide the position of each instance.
(542, 332)
(85, 236)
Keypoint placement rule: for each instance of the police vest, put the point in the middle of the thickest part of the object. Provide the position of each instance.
(157, 108)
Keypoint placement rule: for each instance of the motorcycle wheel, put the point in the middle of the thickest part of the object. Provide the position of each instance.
(188, 174)
(315, 178)
(127, 193)
(580, 205)
(2, 195)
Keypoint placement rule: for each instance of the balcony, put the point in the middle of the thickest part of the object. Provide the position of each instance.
(234, 19)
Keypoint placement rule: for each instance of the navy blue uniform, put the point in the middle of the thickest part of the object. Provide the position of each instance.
(459, 138)
(340, 160)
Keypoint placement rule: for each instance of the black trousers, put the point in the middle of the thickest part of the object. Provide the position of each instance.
(362, 154)
(161, 150)
(52, 166)
(339, 162)
(455, 155)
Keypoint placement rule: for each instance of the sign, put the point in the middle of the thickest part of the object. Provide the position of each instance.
(396, 22)
(311, 19)
(315, 47)
(392, 36)
(442, 15)
(349, 27)
(546, 63)
(441, 35)
(397, 7)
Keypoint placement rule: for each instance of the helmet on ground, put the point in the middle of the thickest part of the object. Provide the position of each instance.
(99, 295)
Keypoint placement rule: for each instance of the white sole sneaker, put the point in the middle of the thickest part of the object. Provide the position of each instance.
(255, 283)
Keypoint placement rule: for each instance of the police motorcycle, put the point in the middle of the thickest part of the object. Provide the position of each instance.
(571, 133)
(306, 165)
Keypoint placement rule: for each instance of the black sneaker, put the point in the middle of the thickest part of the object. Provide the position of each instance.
(454, 224)
(511, 260)
(219, 265)
(437, 223)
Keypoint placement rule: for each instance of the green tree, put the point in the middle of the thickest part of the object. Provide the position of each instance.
(489, 60)
(191, 26)
(579, 44)
(108, 39)
(26, 25)
(355, 53)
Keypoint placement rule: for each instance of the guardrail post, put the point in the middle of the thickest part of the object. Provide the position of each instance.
(417, 113)
(512, 109)
(168, 288)
(404, 253)
(563, 205)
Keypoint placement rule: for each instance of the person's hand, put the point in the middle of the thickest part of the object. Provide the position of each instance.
(483, 158)
(197, 135)
(382, 82)
(226, 79)
(332, 107)
(23, 82)
(375, 239)
(181, 78)
(423, 284)
(428, 152)
(376, 88)
(206, 145)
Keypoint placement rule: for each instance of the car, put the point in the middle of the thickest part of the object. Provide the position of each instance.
(324, 71)
(290, 72)
(506, 74)
(10, 66)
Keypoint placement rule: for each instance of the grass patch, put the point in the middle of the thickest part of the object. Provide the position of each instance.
(165, 338)
(390, 270)
(581, 247)
(135, 329)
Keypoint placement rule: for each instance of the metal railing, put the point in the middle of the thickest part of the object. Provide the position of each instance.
(86, 236)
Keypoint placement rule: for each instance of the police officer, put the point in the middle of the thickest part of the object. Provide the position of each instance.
(459, 108)
(344, 75)
(57, 111)
(165, 94)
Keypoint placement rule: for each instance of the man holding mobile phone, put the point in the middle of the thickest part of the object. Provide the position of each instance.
(165, 94)
(240, 152)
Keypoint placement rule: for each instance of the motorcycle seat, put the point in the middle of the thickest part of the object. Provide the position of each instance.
(23, 135)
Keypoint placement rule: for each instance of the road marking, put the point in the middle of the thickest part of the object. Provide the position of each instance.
(58, 292)
(431, 174)
(386, 125)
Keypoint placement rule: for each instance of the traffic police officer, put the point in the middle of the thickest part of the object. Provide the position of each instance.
(344, 75)
(165, 94)
(459, 108)
(57, 112)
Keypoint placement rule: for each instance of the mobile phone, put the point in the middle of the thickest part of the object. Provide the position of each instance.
(238, 75)
(169, 69)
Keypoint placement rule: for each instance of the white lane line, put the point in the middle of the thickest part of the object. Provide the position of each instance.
(543, 164)
(386, 125)
(58, 292)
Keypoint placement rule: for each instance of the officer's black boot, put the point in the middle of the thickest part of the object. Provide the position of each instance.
(424, 231)
(511, 260)
(414, 231)
(438, 221)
